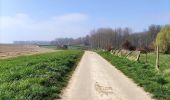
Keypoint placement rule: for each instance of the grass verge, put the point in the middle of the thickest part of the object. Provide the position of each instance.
(36, 77)
(143, 74)
(151, 59)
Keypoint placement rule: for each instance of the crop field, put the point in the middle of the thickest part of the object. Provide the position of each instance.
(164, 61)
(13, 50)
(77, 47)
(36, 77)
(48, 46)
(144, 74)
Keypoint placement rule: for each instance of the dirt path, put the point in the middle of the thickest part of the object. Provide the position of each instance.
(96, 79)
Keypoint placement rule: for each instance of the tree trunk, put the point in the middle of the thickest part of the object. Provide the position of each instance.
(157, 57)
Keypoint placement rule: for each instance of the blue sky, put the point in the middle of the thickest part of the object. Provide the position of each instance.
(49, 19)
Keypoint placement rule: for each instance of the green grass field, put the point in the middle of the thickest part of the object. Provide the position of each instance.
(151, 59)
(48, 46)
(77, 47)
(144, 74)
(36, 77)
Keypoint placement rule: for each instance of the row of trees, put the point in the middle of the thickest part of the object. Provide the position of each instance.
(103, 38)
(70, 41)
(107, 37)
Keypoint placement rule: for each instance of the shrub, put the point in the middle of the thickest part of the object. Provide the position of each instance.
(163, 39)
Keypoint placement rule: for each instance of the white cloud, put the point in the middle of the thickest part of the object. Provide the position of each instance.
(19, 20)
(23, 27)
(73, 17)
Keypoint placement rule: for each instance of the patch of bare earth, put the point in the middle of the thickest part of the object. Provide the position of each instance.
(12, 50)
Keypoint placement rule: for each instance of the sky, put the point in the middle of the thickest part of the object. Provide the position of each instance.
(28, 20)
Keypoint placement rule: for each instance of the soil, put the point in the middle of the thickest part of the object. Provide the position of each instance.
(12, 50)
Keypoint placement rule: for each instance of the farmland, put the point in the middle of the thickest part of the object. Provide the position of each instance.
(144, 74)
(48, 46)
(40, 76)
(13, 50)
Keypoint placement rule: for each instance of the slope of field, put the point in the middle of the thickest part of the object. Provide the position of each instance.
(151, 59)
(36, 77)
(11, 50)
(143, 74)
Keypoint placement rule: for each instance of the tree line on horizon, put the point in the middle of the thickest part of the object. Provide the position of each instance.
(118, 38)
(104, 38)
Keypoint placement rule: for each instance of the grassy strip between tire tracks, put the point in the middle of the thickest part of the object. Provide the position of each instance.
(143, 74)
(36, 77)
